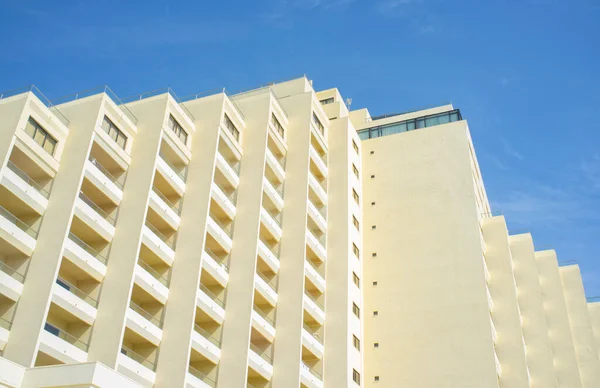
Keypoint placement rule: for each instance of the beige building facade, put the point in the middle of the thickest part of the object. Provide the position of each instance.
(269, 238)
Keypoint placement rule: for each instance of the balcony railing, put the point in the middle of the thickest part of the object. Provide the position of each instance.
(313, 332)
(275, 250)
(139, 358)
(140, 310)
(273, 283)
(322, 239)
(88, 249)
(171, 241)
(312, 371)
(322, 157)
(23, 175)
(164, 280)
(180, 171)
(77, 292)
(231, 196)
(66, 337)
(171, 205)
(220, 300)
(319, 271)
(266, 355)
(119, 182)
(264, 315)
(12, 272)
(314, 299)
(227, 229)
(110, 219)
(202, 376)
(211, 337)
(223, 262)
(278, 218)
(33, 232)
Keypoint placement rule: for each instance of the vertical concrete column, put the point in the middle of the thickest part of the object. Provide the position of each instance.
(109, 328)
(559, 330)
(34, 303)
(240, 289)
(535, 328)
(509, 345)
(288, 342)
(581, 326)
(11, 110)
(594, 311)
(173, 358)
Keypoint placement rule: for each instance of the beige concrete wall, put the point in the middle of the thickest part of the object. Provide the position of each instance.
(535, 329)
(594, 311)
(433, 325)
(506, 315)
(559, 330)
(581, 326)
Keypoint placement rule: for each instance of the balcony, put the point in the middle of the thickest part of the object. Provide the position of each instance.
(94, 219)
(274, 195)
(197, 379)
(266, 288)
(211, 304)
(260, 361)
(317, 217)
(220, 232)
(272, 224)
(144, 323)
(318, 163)
(312, 342)
(5, 326)
(85, 257)
(228, 175)
(314, 308)
(264, 324)
(275, 171)
(163, 211)
(19, 236)
(225, 201)
(33, 194)
(173, 179)
(318, 191)
(314, 276)
(63, 346)
(215, 266)
(154, 283)
(206, 344)
(74, 300)
(100, 177)
(316, 246)
(162, 246)
(11, 280)
(137, 367)
(309, 377)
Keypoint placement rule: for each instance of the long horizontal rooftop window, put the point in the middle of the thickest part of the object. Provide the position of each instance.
(410, 125)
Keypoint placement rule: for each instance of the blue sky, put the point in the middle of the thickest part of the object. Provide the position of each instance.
(525, 74)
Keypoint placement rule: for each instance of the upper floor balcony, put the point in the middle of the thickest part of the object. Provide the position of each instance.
(316, 246)
(18, 233)
(318, 163)
(145, 318)
(137, 359)
(26, 189)
(171, 177)
(275, 171)
(210, 303)
(158, 244)
(314, 308)
(315, 277)
(225, 201)
(270, 225)
(216, 265)
(227, 173)
(263, 321)
(265, 288)
(66, 337)
(198, 379)
(91, 259)
(317, 193)
(12, 276)
(154, 280)
(220, 228)
(94, 220)
(268, 253)
(272, 197)
(316, 221)
(312, 341)
(207, 344)
(108, 168)
(310, 377)
(73, 299)
(260, 364)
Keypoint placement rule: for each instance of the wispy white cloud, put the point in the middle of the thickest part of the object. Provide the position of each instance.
(388, 7)
(510, 150)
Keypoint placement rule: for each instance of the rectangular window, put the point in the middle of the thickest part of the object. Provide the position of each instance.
(52, 329)
(113, 132)
(356, 250)
(40, 136)
(232, 128)
(355, 196)
(355, 222)
(355, 170)
(277, 125)
(355, 376)
(318, 123)
(326, 101)
(356, 342)
(355, 146)
(177, 129)
(356, 279)
(356, 310)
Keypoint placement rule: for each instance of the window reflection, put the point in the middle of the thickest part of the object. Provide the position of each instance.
(409, 125)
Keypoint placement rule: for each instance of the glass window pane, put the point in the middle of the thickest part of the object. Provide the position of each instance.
(431, 121)
(374, 133)
(121, 141)
(410, 125)
(420, 123)
(454, 116)
(39, 137)
(30, 127)
(445, 118)
(363, 135)
(49, 146)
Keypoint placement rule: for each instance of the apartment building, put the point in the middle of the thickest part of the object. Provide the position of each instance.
(269, 238)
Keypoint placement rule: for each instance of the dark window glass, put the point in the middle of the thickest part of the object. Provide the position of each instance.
(113, 132)
(51, 329)
(177, 129)
(232, 128)
(277, 125)
(356, 376)
(318, 123)
(40, 136)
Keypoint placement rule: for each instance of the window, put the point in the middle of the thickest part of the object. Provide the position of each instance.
(375, 313)
(327, 101)
(376, 378)
(277, 125)
(372, 203)
(372, 176)
(52, 329)
(375, 283)
(356, 310)
(177, 129)
(372, 152)
(373, 227)
(232, 128)
(355, 376)
(376, 344)
(355, 250)
(355, 222)
(355, 196)
(355, 146)
(355, 170)
(114, 132)
(410, 125)
(356, 279)
(40, 136)
(318, 124)
(374, 254)
(356, 342)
